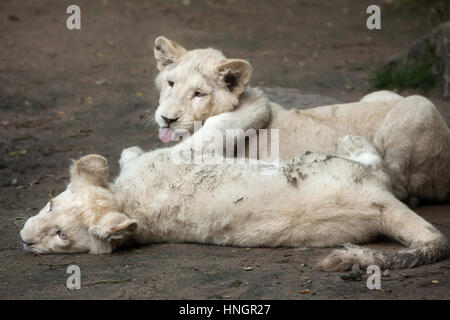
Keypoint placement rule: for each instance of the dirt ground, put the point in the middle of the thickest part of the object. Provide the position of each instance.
(64, 94)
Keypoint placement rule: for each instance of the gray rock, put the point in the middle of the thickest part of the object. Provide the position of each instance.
(433, 47)
(292, 98)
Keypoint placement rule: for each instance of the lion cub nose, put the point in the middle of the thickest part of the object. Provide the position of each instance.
(170, 120)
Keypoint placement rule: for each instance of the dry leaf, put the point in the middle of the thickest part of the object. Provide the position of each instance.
(304, 291)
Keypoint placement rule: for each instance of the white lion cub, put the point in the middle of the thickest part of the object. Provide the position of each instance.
(202, 85)
(315, 200)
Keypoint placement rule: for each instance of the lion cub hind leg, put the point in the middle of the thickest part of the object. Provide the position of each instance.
(425, 243)
(415, 143)
(358, 149)
(382, 95)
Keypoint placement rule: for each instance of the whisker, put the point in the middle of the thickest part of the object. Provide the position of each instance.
(151, 122)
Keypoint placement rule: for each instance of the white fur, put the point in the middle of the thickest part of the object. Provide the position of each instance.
(382, 95)
(409, 132)
(316, 200)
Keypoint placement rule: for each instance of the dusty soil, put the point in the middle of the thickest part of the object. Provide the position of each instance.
(65, 93)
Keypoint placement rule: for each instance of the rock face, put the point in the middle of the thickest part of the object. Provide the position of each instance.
(291, 98)
(433, 47)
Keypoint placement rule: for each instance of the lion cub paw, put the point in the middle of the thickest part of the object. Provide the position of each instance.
(344, 259)
(129, 154)
(358, 149)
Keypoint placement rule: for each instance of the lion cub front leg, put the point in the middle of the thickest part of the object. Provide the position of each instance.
(358, 149)
(128, 155)
(212, 135)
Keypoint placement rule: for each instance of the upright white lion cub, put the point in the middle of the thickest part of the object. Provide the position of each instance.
(315, 200)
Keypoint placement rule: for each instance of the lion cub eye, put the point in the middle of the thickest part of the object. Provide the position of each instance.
(199, 94)
(170, 83)
(61, 235)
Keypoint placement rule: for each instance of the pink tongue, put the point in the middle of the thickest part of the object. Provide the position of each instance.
(166, 134)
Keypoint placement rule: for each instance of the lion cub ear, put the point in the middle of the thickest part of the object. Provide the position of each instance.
(235, 74)
(91, 169)
(167, 52)
(114, 225)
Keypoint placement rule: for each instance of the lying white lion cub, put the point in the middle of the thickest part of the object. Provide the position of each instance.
(315, 200)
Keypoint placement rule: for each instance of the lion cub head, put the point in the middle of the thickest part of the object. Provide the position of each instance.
(195, 85)
(83, 218)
